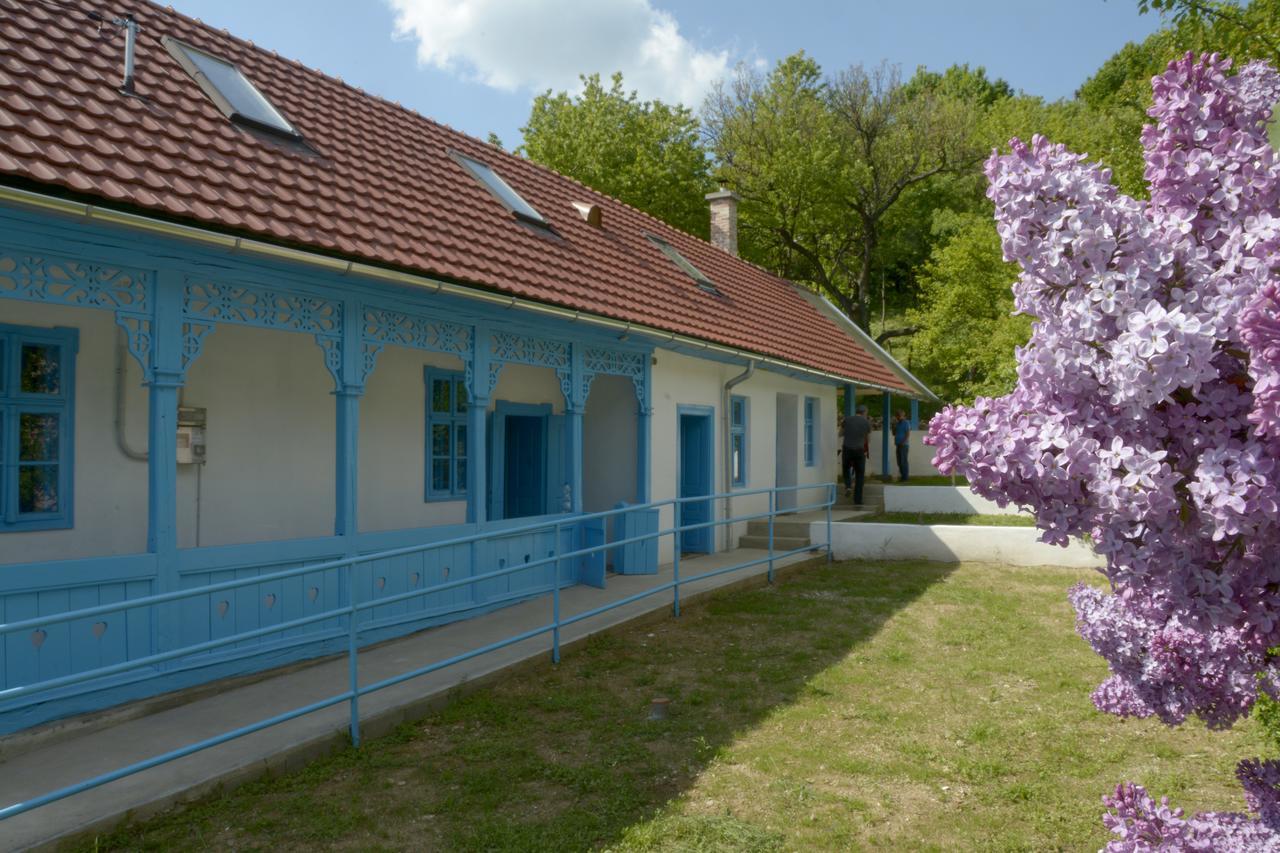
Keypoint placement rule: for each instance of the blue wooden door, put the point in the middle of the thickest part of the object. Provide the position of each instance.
(695, 480)
(525, 489)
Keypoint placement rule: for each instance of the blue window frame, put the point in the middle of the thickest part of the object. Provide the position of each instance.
(37, 400)
(738, 416)
(446, 435)
(810, 431)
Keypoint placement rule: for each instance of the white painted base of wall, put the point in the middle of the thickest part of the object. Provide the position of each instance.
(941, 499)
(1014, 546)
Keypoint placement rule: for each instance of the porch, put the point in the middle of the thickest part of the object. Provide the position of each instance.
(217, 415)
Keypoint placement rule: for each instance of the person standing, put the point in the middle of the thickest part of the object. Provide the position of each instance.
(901, 434)
(855, 432)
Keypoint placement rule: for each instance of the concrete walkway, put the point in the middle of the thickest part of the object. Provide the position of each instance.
(45, 764)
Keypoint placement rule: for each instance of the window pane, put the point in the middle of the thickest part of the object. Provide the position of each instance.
(736, 463)
(440, 475)
(501, 189)
(460, 396)
(462, 475)
(440, 440)
(440, 401)
(37, 488)
(38, 437)
(461, 432)
(41, 369)
(243, 96)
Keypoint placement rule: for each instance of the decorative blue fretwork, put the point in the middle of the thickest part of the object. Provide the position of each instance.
(615, 363)
(45, 278)
(523, 349)
(193, 342)
(206, 302)
(249, 305)
(382, 326)
(137, 329)
(84, 284)
(511, 347)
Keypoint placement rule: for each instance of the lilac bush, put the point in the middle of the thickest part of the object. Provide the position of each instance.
(1146, 416)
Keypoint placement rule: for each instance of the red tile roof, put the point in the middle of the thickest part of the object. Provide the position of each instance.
(377, 186)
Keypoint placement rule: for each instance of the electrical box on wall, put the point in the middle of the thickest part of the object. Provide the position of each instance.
(191, 427)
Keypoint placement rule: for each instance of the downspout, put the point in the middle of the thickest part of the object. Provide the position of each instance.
(121, 440)
(728, 448)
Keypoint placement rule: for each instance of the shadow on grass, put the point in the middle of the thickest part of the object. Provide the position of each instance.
(565, 757)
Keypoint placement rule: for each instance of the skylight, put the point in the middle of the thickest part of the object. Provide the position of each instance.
(683, 263)
(230, 90)
(501, 190)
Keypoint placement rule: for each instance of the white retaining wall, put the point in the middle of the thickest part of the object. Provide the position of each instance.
(1015, 546)
(953, 499)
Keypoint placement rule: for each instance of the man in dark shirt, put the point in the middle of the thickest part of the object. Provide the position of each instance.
(901, 433)
(855, 431)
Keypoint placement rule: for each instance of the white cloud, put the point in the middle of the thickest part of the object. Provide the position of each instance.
(534, 45)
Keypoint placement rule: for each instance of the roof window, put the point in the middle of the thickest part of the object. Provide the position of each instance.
(501, 190)
(230, 90)
(683, 263)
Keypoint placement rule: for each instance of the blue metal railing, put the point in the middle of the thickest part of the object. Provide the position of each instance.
(353, 607)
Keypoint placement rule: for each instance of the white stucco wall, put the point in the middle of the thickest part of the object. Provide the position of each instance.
(941, 499)
(609, 444)
(271, 439)
(1012, 546)
(685, 380)
(110, 490)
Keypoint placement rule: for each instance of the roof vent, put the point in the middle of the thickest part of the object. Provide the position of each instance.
(130, 27)
(592, 213)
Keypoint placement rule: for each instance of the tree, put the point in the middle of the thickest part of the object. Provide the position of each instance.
(967, 331)
(820, 163)
(1146, 416)
(646, 153)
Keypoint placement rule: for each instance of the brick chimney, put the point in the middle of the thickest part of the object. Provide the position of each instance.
(724, 220)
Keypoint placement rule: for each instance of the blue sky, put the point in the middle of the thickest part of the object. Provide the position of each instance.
(476, 64)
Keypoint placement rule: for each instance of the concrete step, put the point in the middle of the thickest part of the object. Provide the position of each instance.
(780, 543)
(781, 527)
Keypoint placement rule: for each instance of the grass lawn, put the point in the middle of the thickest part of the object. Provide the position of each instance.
(948, 518)
(860, 706)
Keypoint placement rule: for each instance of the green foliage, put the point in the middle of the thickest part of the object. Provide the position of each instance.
(822, 162)
(646, 153)
(967, 332)
(1267, 712)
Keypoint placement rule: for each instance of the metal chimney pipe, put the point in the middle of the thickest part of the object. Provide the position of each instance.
(130, 42)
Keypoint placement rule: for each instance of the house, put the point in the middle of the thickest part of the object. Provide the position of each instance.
(253, 318)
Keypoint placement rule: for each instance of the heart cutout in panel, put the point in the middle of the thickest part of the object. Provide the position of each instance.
(99, 628)
(223, 607)
(38, 636)
(446, 572)
(382, 583)
(414, 578)
(270, 599)
(313, 593)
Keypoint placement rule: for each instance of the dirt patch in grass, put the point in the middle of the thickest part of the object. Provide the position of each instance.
(857, 706)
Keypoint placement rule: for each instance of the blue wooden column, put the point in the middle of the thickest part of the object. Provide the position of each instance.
(850, 399)
(477, 422)
(575, 404)
(915, 415)
(644, 435)
(886, 415)
(347, 394)
(167, 376)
